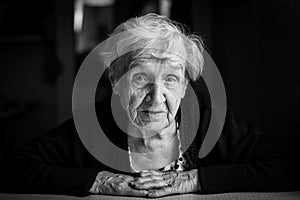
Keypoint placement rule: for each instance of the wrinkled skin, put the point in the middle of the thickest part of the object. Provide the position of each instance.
(159, 183)
(115, 184)
(151, 93)
(148, 184)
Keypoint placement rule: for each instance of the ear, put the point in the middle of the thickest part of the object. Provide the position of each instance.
(115, 88)
(113, 85)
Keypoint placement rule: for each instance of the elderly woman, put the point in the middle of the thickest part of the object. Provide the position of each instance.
(151, 79)
(157, 61)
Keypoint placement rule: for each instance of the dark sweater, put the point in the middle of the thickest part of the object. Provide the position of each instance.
(243, 159)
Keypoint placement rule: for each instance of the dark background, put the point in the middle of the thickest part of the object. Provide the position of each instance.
(253, 42)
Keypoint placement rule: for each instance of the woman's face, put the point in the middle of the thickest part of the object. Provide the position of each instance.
(152, 90)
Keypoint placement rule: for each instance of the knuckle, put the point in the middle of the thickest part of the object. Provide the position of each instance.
(119, 188)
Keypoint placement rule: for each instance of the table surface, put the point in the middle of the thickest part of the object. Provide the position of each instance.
(225, 196)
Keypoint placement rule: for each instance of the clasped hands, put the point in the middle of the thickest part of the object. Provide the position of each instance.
(147, 183)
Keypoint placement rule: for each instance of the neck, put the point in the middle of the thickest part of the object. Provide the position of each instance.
(157, 142)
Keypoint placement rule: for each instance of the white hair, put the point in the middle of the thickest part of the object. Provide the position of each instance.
(161, 36)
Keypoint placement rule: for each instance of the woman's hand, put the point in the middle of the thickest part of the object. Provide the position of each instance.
(115, 184)
(159, 183)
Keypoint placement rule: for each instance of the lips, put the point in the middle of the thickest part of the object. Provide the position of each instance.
(153, 112)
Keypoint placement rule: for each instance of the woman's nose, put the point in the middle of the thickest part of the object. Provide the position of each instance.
(156, 94)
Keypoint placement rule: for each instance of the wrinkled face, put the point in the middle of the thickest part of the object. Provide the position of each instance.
(152, 90)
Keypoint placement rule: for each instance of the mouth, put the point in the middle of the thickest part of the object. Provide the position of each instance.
(153, 112)
(146, 116)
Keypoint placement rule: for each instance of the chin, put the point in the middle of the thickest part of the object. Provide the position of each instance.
(154, 126)
(157, 125)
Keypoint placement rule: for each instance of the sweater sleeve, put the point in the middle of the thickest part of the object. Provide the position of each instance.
(54, 163)
(245, 159)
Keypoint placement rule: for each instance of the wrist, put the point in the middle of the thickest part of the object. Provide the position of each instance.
(195, 180)
(95, 189)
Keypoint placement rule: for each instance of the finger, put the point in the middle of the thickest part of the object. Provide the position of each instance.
(151, 172)
(153, 184)
(125, 189)
(161, 192)
(147, 178)
(121, 178)
(138, 193)
(128, 178)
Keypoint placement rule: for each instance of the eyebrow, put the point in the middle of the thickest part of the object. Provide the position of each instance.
(175, 63)
(177, 67)
(138, 61)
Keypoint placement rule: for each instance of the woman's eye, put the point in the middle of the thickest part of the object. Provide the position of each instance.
(140, 78)
(171, 79)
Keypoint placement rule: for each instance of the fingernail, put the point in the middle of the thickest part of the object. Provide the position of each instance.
(150, 195)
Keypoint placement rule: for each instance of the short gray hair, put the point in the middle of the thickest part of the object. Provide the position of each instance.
(150, 31)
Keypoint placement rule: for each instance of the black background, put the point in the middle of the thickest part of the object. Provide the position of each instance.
(253, 42)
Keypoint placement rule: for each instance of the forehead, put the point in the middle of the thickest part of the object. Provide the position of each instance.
(165, 62)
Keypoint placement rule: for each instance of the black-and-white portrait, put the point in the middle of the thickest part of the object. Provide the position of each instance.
(114, 99)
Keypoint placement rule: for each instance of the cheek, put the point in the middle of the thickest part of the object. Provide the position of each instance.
(173, 102)
(122, 89)
(174, 98)
(136, 96)
(130, 96)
